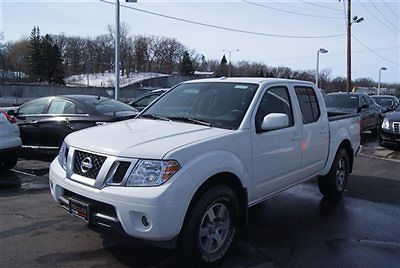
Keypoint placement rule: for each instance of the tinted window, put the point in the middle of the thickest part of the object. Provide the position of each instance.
(308, 104)
(59, 106)
(341, 100)
(34, 107)
(145, 101)
(108, 106)
(275, 100)
(222, 104)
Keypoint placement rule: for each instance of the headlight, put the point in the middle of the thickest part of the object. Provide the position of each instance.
(385, 124)
(62, 155)
(152, 172)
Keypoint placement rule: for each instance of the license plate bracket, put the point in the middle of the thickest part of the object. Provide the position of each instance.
(79, 209)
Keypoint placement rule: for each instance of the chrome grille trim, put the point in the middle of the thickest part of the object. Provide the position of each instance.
(396, 127)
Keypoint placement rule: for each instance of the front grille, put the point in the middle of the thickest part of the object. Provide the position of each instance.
(96, 163)
(120, 172)
(396, 127)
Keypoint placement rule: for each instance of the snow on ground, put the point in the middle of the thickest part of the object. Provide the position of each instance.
(108, 79)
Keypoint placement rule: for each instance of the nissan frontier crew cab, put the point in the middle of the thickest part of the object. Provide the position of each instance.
(186, 170)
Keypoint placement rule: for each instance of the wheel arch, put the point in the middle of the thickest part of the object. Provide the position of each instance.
(230, 180)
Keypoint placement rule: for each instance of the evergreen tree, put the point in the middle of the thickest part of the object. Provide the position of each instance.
(186, 64)
(34, 55)
(45, 59)
(222, 68)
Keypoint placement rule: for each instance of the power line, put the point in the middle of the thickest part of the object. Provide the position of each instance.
(394, 13)
(306, 57)
(223, 27)
(321, 6)
(383, 16)
(373, 51)
(372, 13)
(288, 11)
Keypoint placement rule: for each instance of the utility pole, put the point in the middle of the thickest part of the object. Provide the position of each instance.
(230, 57)
(321, 50)
(117, 50)
(348, 45)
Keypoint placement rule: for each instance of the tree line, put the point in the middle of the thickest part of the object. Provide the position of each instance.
(50, 58)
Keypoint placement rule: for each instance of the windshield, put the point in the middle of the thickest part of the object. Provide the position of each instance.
(218, 104)
(385, 102)
(341, 100)
(397, 108)
(107, 106)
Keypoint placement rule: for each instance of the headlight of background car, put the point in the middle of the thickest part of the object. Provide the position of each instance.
(152, 172)
(62, 155)
(385, 124)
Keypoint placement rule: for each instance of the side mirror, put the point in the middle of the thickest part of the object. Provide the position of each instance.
(274, 121)
(12, 113)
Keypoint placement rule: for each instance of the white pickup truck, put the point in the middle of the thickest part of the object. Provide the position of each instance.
(186, 170)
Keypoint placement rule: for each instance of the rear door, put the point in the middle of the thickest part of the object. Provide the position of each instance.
(29, 118)
(315, 132)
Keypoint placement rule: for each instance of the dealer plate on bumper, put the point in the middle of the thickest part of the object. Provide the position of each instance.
(79, 209)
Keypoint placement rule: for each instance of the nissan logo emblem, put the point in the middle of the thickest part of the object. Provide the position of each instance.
(86, 164)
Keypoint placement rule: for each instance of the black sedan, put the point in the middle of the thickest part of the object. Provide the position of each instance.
(369, 110)
(45, 122)
(389, 133)
(387, 102)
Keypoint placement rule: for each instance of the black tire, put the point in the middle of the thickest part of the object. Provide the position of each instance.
(193, 248)
(375, 131)
(8, 162)
(333, 184)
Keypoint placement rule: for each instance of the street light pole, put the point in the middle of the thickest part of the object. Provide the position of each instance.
(379, 80)
(321, 50)
(117, 49)
(230, 57)
(117, 46)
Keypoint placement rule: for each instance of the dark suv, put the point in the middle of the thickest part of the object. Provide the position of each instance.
(369, 110)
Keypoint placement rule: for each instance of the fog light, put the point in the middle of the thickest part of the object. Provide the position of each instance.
(145, 221)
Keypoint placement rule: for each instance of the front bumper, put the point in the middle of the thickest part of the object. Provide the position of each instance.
(122, 209)
(389, 137)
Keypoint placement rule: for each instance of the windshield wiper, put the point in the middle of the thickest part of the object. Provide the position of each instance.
(190, 120)
(155, 117)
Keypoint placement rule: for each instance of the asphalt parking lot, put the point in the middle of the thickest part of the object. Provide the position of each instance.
(295, 228)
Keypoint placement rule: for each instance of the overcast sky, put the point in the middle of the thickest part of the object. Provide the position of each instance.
(379, 33)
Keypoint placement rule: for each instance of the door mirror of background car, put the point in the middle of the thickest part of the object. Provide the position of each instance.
(12, 113)
(274, 121)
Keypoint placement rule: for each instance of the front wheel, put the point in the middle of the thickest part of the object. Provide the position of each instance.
(333, 184)
(210, 227)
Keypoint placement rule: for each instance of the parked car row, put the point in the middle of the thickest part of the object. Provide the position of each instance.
(369, 110)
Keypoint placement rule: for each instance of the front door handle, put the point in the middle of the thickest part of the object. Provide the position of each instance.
(296, 137)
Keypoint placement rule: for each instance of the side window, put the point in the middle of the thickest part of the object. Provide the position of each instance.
(33, 107)
(308, 104)
(275, 100)
(59, 106)
(142, 103)
(369, 100)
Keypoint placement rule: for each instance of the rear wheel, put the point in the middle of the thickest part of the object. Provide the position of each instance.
(210, 227)
(334, 183)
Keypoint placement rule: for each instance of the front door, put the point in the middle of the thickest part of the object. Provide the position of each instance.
(276, 153)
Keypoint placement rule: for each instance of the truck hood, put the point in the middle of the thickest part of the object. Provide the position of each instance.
(393, 116)
(140, 138)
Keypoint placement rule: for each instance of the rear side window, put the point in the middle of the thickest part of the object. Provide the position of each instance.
(63, 107)
(308, 104)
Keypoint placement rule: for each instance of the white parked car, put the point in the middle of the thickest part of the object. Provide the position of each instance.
(186, 170)
(10, 142)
